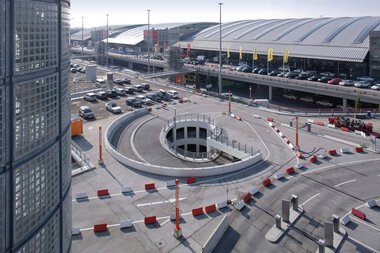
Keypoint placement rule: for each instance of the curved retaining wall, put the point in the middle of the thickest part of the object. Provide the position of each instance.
(168, 171)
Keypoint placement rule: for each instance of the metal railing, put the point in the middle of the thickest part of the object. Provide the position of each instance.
(84, 159)
(187, 118)
(223, 139)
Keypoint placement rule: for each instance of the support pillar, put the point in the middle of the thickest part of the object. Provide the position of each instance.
(286, 210)
(270, 93)
(294, 201)
(278, 221)
(344, 103)
(154, 68)
(321, 246)
(329, 234)
(130, 65)
(335, 220)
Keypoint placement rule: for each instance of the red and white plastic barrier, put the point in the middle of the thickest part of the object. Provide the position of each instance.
(210, 208)
(103, 192)
(358, 213)
(100, 227)
(266, 182)
(240, 205)
(150, 186)
(150, 220)
(197, 211)
(254, 190)
(81, 195)
(126, 223)
(247, 197)
(126, 189)
(75, 230)
(191, 180)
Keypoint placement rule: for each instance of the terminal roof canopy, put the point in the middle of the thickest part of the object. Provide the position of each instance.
(338, 39)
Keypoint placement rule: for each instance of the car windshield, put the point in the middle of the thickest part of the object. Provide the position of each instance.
(87, 110)
(113, 105)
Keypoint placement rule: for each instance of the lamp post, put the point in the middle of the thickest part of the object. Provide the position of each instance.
(82, 40)
(148, 41)
(220, 49)
(250, 92)
(107, 42)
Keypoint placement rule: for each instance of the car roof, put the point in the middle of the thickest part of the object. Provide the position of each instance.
(83, 107)
(90, 94)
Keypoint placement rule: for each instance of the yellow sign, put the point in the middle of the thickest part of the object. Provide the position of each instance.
(270, 54)
(241, 53)
(228, 52)
(255, 54)
(286, 55)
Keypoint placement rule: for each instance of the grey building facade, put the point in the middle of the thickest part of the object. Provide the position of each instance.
(374, 54)
(35, 197)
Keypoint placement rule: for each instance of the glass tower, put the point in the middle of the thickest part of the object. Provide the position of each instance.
(35, 197)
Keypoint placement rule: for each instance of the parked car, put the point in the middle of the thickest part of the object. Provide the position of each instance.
(264, 71)
(282, 74)
(133, 102)
(111, 93)
(144, 100)
(346, 82)
(101, 95)
(334, 81)
(73, 70)
(81, 70)
(303, 76)
(313, 78)
(256, 70)
(341, 107)
(126, 80)
(91, 97)
(120, 92)
(365, 78)
(324, 79)
(173, 93)
(129, 90)
(307, 99)
(247, 69)
(118, 81)
(86, 112)
(290, 96)
(145, 86)
(291, 74)
(362, 84)
(376, 87)
(100, 81)
(324, 103)
(154, 97)
(273, 73)
(240, 68)
(164, 95)
(138, 88)
(113, 107)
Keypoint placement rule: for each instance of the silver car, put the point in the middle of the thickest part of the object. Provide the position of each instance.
(113, 107)
(346, 83)
(91, 97)
(362, 84)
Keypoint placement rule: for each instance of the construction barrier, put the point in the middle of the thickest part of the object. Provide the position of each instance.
(279, 175)
(247, 197)
(126, 189)
(81, 195)
(266, 182)
(358, 150)
(281, 134)
(345, 129)
(300, 165)
(371, 203)
(290, 170)
(190, 180)
(222, 204)
(149, 109)
(286, 140)
(270, 119)
(313, 159)
(299, 155)
(276, 129)
(332, 152)
(345, 219)
(210, 208)
(126, 223)
(150, 220)
(150, 186)
(103, 192)
(170, 183)
(75, 231)
(320, 123)
(271, 124)
(322, 155)
(254, 190)
(197, 211)
(331, 125)
(344, 150)
(100, 228)
(238, 118)
(358, 213)
(240, 205)
(291, 145)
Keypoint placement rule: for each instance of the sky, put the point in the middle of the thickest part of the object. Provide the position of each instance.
(174, 11)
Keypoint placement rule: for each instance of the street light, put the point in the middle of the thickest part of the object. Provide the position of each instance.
(148, 41)
(220, 49)
(107, 42)
(82, 40)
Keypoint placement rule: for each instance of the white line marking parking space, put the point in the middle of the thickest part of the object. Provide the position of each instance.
(346, 182)
(309, 199)
(364, 245)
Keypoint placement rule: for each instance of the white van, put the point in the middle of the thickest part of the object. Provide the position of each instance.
(100, 81)
(173, 93)
(138, 87)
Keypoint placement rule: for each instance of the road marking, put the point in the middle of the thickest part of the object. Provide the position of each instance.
(159, 202)
(346, 182)
(364, 245)
(134, 222)
(362, 222)
(304, 203)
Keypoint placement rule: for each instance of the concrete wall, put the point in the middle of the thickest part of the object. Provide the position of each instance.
(168, 171)
(215, 237)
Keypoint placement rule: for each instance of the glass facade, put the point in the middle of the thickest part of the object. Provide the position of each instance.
(374, 52)
(35, 196)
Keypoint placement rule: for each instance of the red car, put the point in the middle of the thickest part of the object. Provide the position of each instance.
(334, 81)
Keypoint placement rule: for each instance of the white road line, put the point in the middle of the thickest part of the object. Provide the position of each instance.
(364, 245)
(339, 164)
(309, 199)
(159, 202)
(365, 223)
(346, 182)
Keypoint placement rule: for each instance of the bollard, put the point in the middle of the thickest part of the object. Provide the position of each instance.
(285, 210)
(335, 220)
(321, 246)
(294, 201)
(329, 234)
(278, 221)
